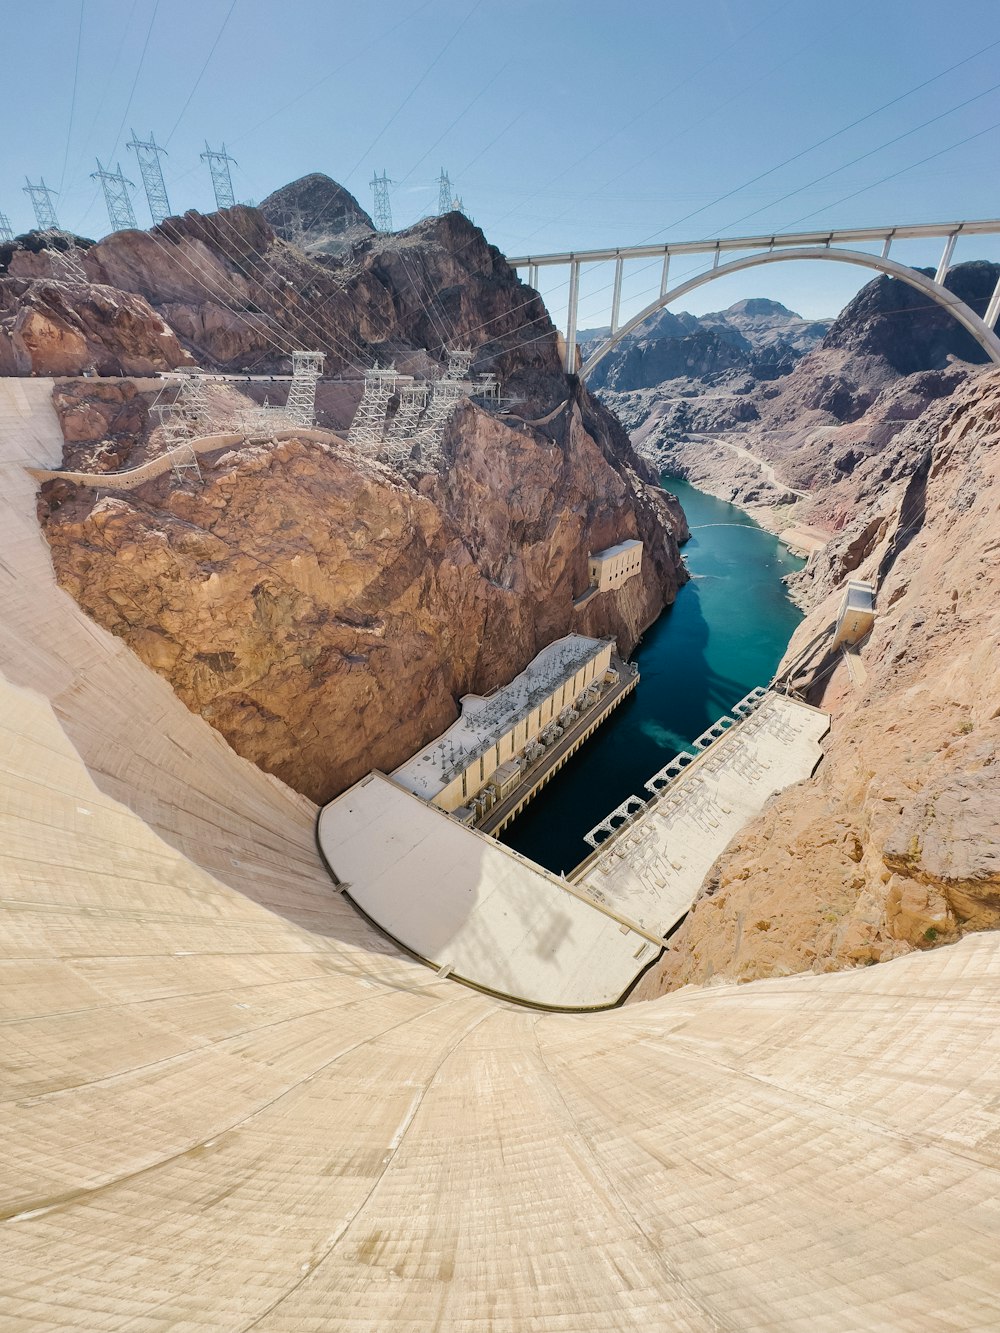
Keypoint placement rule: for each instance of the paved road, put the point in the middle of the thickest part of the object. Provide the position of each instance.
(765, 467)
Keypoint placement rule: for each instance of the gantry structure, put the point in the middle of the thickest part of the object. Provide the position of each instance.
(222, 182)
(117, 197)
(42, 205)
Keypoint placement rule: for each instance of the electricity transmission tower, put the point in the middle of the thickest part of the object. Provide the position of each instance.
(445, 193)
(116, 197)
(5, 231)
(300, 408)
(152, 175)
(382, 210)
(41, 202)
(222, 182)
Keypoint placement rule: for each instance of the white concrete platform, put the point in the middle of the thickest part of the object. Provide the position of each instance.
(652, 868)
(466, 903)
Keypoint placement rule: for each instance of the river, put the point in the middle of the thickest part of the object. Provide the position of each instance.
(724, 634)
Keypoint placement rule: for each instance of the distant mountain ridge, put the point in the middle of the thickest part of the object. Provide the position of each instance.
(756, 335)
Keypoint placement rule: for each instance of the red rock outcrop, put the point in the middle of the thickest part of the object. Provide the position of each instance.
(54, 328)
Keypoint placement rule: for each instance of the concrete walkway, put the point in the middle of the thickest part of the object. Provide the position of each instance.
(129, 478)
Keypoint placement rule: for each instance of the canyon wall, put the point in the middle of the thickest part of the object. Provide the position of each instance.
(805, 447)
(894, 844)
(323, 611)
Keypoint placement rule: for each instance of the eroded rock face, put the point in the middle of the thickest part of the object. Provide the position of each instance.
(320, 610)
(317, 215)
(893, 845)
(325, 616)
(53, 328)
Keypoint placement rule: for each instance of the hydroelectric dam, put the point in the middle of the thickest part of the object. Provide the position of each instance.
(230, 1103)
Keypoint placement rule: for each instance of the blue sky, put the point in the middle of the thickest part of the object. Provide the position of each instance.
(563, 125)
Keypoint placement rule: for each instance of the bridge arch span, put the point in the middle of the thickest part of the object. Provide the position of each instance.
(965, 315)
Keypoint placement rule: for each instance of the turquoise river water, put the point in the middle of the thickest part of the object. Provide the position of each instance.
(723, 635)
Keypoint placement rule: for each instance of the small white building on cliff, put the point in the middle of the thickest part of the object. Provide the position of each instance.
(857, 613)
(494, 732)
(612, 567)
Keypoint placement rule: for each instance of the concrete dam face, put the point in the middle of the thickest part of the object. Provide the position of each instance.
(229, 1104)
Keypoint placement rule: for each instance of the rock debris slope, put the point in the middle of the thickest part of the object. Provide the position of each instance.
(228, 1106)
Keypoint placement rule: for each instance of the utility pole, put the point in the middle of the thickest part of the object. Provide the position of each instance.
(41, 202)
(5, 230)
(116, 197)
(222, 181)
(445, 193)
(383, 209)
(152, 175)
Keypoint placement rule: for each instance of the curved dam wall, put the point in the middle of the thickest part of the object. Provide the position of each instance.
(229, 1104)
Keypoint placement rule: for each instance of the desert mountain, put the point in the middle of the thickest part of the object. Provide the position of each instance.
(323, 610)
(808, 446)
(317, 215)
(757, 336)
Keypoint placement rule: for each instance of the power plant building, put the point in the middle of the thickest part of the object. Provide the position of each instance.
(611, 568)
(496, 737)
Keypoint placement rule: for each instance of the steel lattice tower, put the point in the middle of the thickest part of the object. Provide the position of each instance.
(116, 196)
(307, 367)
(41, 202)
(5, 231)
(152, 175)
(222, 182)
(382, 210)
(445, 195)
(368, 426)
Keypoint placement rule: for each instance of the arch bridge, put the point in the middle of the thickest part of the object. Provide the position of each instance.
(751, 251)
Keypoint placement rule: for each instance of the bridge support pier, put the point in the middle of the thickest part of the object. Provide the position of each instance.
(574, 295)
(993, 309)
(616, 299)
(665, 275)
(945, 264)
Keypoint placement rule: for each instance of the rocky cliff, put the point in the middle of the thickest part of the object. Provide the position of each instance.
(317, 215)
(894, 845)
(807, 447)
(325, 615)
(323, 611)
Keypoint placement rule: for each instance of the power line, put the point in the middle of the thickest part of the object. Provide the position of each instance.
(72, 100)
(822, 142)
(476, 5)
(862, 156)
(201, 72)
(135, 81)
(902, 171)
